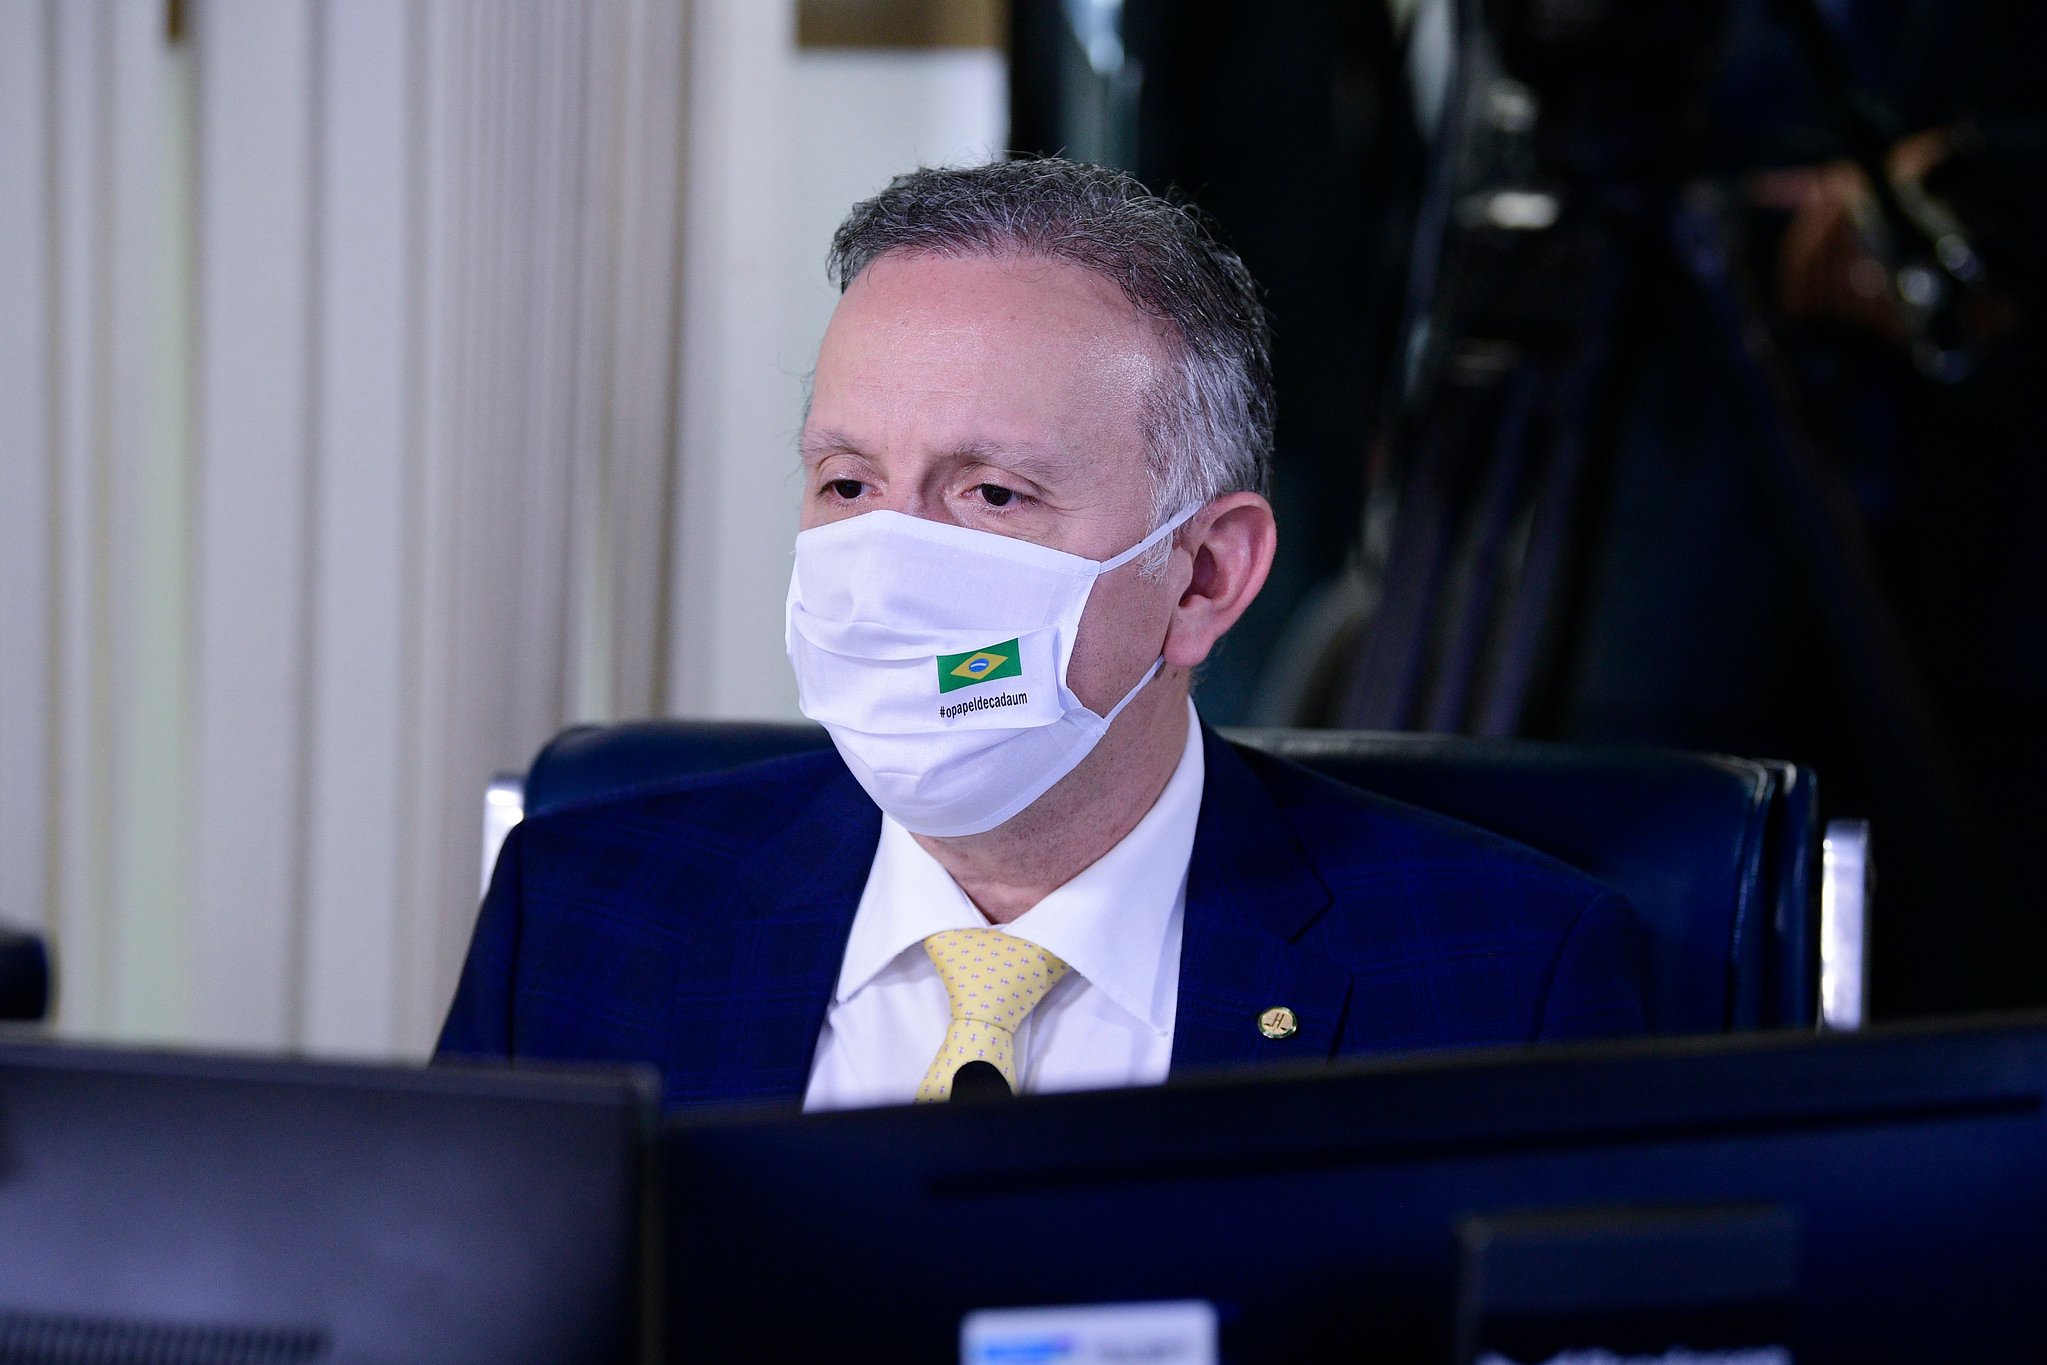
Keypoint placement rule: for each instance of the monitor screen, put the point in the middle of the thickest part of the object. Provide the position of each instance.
(1747, 1200)
(189, 1210)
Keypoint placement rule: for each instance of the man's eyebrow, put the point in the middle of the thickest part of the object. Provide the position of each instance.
(815, 446)
(1029, 461)
(1035, 463)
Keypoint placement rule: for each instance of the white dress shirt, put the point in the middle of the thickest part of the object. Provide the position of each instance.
(1117, 926)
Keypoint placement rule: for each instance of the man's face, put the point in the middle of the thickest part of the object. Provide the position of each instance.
(1002, 394)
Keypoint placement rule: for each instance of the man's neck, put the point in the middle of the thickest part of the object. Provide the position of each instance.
(1012, 867)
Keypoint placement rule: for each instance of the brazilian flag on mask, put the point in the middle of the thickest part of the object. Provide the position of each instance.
(979, 665)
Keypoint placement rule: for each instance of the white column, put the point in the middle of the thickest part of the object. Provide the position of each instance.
(148, 217)
(256, 151)
(93, 521)
(736, 437)
(362, 487)
(25, 463)
(440, 186)
(80, 717)
(643, 324)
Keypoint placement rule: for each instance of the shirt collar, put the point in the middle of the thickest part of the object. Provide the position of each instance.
(1110, 923)
(909, 897)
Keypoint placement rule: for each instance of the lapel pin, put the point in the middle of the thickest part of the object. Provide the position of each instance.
(1278, 1022)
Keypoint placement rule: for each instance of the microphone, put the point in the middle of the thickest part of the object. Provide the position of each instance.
(979, 1081)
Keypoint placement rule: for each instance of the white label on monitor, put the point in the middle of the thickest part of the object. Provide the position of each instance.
(1180, 1333)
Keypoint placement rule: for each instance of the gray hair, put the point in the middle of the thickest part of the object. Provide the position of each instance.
(1208, 428)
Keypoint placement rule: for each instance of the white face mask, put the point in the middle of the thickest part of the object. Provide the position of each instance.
(936, 658)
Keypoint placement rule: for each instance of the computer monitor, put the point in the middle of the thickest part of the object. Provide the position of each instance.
(1758, 1198)
(201, 1210)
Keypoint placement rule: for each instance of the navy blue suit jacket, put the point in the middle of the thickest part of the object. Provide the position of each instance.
(698, 925)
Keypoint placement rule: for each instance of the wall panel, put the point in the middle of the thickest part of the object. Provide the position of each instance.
(149, 554)
(740, 407)
(26, 46)
(257, 149)
(80, 717)
(361, 481)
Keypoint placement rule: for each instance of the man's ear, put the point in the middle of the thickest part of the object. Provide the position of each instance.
(1231, 542)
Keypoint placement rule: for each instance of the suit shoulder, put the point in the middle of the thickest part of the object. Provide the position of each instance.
(718, 812)
(1454, 935)
(1361, 840)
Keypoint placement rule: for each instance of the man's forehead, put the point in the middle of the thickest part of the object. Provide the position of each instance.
(1033, 365)
(908, 299)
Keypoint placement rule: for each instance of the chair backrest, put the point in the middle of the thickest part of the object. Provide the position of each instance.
(1716, 854)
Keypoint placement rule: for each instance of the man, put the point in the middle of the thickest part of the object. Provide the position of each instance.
(1039, 430)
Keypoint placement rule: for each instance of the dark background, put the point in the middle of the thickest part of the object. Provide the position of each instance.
(1662, 473)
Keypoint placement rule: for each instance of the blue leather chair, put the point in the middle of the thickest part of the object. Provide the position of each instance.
(1720, 856)
(24, 976)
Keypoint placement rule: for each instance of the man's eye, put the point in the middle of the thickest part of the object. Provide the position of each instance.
(848, 489)
(994, 494)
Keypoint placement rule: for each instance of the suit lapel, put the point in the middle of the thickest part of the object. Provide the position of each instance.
(761, 979)
(1251, 892)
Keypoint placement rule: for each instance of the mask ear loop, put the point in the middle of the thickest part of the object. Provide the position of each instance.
(1131, 695)
(1110, 565)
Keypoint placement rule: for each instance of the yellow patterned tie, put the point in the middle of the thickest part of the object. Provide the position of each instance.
(993, 980)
